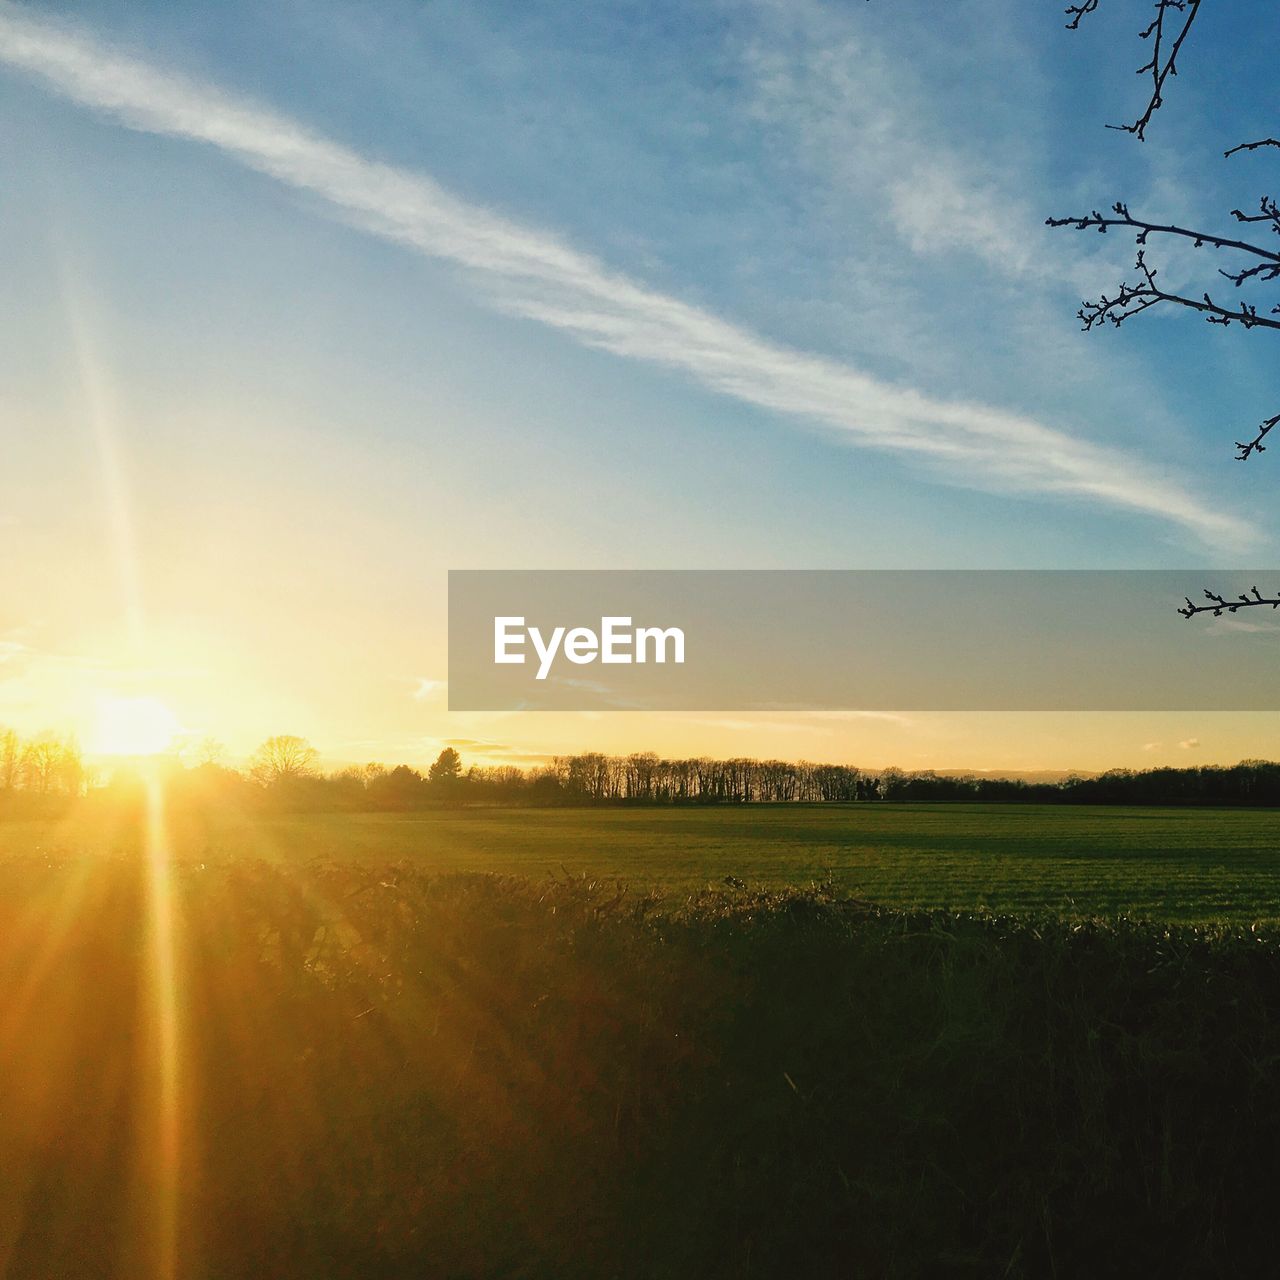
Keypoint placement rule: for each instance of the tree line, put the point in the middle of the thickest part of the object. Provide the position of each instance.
(286, 771)
(46, 765)
(648, 779)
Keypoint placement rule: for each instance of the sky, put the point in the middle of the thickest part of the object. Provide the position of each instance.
(307, 304)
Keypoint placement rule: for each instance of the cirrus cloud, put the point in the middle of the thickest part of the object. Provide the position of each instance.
(537, 275)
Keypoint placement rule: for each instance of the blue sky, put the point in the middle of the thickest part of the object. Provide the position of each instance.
(548, 285)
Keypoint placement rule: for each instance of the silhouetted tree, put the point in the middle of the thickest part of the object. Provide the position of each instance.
(284, 758)
(401, 788)
(446, 769)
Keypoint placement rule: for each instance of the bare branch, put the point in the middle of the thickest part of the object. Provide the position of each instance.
(1167, 31)
(1077, 11)
(1218, 605)
(1143, 229)
(1248, 447)
(1251, 146)
(1131, 299)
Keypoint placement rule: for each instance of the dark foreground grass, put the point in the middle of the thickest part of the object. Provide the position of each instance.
(387, 1074)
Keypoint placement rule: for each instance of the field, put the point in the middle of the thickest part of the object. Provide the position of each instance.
(1176, 865)
(449, 1045)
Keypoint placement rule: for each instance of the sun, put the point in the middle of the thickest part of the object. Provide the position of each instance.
(137, 726)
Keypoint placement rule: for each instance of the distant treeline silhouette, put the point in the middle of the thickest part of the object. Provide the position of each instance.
(285, 772)
(647, 779)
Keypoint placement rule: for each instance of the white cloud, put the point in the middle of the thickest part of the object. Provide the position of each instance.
(1234, 624)
(863, 125)
(937, 209)
(535, 274)
(814, 722)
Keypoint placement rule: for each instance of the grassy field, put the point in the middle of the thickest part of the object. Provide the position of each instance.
(1177, 865)
(309, 1047)
(391, 1075)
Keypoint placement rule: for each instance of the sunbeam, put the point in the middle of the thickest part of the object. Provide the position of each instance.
(138, 726)
(162, 1147)
(101, 419)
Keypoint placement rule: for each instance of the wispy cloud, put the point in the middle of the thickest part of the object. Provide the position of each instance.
(862, 124)
(537, 275)
(1187, 744)
(814, 722)
(479, 746)
(427, 687)
(18, 660)
(1232, 624)
(489, 751)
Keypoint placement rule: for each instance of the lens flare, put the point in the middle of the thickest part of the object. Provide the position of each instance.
(162, 1149)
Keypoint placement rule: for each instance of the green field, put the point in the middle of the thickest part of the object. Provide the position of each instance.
(379, 1071)
(1178, 865)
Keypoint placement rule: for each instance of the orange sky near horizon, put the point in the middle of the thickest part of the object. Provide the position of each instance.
(396, 717)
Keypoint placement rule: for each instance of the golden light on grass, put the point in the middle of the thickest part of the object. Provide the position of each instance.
(161, 1148)
(132, 726)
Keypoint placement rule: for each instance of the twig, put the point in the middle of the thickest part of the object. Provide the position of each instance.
(1218, 605)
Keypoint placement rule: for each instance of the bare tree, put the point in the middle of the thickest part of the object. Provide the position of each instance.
(283, 758)
(51, 764)
(1244, 264)
(209, 750)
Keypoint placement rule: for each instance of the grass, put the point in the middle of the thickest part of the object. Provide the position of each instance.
(388, 1073)
(901, 1041)
(1177, 865)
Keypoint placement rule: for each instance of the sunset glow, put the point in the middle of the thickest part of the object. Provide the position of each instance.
(132, 726)
(629, 648)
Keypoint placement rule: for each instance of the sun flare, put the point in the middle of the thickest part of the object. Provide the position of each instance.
(134, 726)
